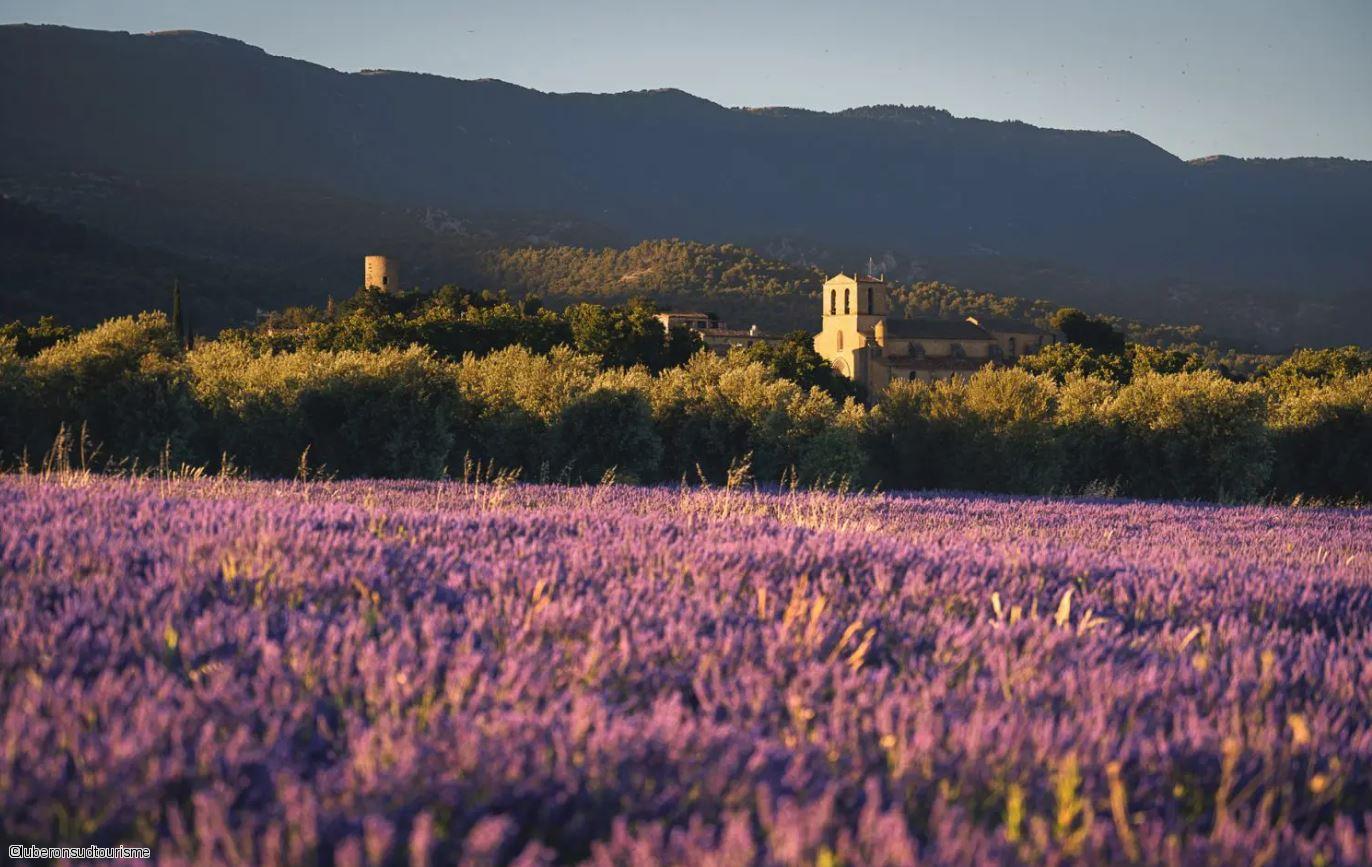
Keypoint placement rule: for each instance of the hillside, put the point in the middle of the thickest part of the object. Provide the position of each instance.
(745, 287)
(210, 147)
(734, 282)
(49, 265)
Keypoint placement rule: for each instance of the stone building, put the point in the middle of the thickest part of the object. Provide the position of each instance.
(1015, 338)
(864, 342)
(716, 334)
(381, 272)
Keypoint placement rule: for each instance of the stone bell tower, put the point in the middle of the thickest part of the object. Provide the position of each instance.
(381, 272)
(853, 307)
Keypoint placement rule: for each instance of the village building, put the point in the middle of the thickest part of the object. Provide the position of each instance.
(717, 335)
(865, 343)
(1015, 338)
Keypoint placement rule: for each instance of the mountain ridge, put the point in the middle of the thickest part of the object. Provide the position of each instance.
(883, 111)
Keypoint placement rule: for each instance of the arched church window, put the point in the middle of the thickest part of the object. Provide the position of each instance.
(869, 300)
(833, 301)
(840, 340)
(846, 309)
(1012, 346)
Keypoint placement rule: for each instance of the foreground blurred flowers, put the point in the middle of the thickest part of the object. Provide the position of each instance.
(412, 672)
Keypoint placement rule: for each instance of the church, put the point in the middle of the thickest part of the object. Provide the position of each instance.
(865, 343)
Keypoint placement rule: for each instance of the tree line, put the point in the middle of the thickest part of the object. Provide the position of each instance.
(285, 401)
(453, 322)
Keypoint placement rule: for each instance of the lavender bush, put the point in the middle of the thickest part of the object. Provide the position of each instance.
(436, 672)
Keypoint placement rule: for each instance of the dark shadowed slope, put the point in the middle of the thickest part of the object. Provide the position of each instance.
(50, 265)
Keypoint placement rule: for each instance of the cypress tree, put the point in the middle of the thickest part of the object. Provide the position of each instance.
(177, 320)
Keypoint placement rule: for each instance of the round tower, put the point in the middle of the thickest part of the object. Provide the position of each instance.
(381, 272)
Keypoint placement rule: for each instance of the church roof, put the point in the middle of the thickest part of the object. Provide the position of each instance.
(935, 329)
(1006, 325)
(857, 277)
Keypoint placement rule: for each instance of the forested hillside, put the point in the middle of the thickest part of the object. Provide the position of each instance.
(741, 285)
(661, 267)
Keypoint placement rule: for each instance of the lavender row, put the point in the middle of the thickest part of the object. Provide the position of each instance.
(434, 672)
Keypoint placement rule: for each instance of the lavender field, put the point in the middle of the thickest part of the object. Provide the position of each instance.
(350, 673)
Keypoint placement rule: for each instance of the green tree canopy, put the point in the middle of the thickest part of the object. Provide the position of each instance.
(1090, 332)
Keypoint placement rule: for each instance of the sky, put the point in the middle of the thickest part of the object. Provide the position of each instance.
(1247, 78)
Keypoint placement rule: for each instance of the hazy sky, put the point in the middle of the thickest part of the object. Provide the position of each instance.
(1243, 77)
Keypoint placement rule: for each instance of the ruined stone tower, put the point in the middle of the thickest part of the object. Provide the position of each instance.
(381, 272)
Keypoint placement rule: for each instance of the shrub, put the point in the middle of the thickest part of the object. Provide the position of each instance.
(1089, 442)
(1306, 367)
(1094, 333)
(1151, 359)
(1322, 438)
(388, 413)
(1006, 434)
(14, 408)
(993, 431)
(703, 431)
(835, 454)
(782, 417)
(713, 413)
(517, 397)
(29, 340)
(1191, 435)
(123, 383)
(623, 336)
(608, 429)
(903, 442)
(1061, 360)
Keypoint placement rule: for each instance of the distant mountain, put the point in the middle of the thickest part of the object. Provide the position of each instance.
(209, 147)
